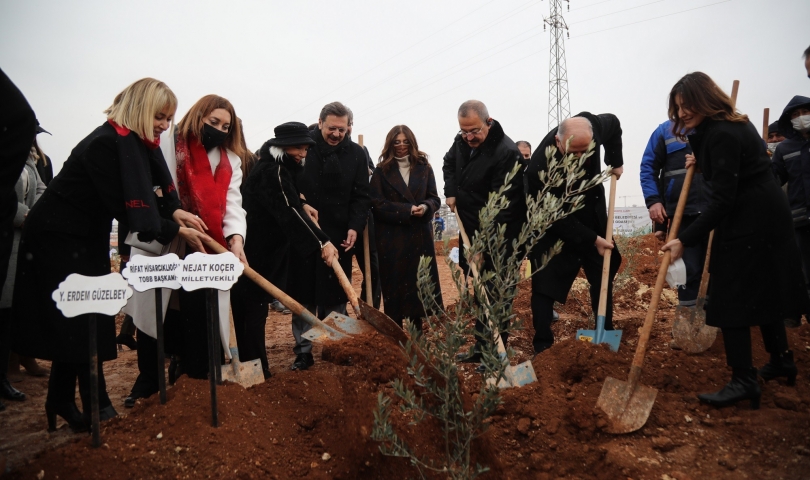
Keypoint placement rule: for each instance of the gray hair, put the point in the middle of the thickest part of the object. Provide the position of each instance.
(571, 122)
(337, 109)
(476, 106)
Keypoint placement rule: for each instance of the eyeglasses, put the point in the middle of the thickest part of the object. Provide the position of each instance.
(401, 142)
(469, 135)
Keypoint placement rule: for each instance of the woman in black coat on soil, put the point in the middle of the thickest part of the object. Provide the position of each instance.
(403, 200)
(281, 229)
(755, 268)
(110, 174)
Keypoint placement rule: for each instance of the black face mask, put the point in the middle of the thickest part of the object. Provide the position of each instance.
(212, 137)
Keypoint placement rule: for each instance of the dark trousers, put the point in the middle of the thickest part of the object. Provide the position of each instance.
(693, 259)
(737, 342)
(5, 349)
(802, 235)
(359, 253)
(249, 320)
(543, 305)
(193, 308)
(62, 384)
(147, 382)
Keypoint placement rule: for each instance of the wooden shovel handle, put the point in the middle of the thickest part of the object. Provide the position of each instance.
(644, 337)
(286, 300)
(474, 269)
(602, 310)
(367, 269)
(346, 284)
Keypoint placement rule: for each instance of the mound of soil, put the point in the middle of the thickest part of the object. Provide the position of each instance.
(317, 423)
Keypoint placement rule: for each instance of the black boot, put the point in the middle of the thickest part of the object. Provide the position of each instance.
(8, 392)
(780, 365)
(743, 386)
(303, 361)
(69, 412)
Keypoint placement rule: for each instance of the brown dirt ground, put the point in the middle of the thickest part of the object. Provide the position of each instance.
(316, 424)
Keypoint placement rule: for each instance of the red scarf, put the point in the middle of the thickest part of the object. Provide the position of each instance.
(207, 197)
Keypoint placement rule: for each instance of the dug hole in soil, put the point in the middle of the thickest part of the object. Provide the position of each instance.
(317, 423)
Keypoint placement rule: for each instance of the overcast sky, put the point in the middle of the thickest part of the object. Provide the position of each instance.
(400, 62)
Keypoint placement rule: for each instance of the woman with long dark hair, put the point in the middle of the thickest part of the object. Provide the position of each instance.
(110, 174)
(403, 200)
(204, 155)
(756, 277)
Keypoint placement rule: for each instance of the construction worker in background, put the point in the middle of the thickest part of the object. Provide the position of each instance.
(662, 174)
(791, 165)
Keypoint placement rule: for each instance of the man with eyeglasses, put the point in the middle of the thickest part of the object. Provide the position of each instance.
(475, 165)
(334, 182)
(582, 231)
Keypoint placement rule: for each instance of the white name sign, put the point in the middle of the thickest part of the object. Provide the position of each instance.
(202, 270)
(147, 273)
(79, 294)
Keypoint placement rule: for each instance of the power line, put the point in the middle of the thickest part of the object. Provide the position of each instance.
(650, 19)
(453, 70)
(454, 88)
(461, 40)
(381, 63)
(614, 13)
(588, 6)
(503, 18)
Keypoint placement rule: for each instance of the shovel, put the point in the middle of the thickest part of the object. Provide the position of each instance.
(519, 375)
(319, 330)
(689, 328)
(628, 404)
(600, 335)
(246, 374)
(380, 321)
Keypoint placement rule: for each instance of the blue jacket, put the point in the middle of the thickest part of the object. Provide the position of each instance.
(663, 171)
(791, 164)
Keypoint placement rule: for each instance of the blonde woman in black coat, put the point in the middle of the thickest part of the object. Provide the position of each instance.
(755, 268)
(110, 174)
(403, 200)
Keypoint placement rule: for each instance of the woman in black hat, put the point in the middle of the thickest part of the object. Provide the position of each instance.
(283, 230)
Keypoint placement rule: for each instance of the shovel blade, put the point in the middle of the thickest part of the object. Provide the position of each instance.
(246, 374)
(383, 323)
(318, 334)
(347, 324)
(690, 330)
(626, 405)
(522, 374)
(612, 337)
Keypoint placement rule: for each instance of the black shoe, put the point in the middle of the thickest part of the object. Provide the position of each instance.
(780, 366)
(793, 322)
(465, 358)
(128, 340)
(69, 412)
(540, 349)
(10, 393)
(481, 369)
(107, 413)
(2, 406)
(129, 402)
(176, 369)
(267, 373)
(303, 361)
(743, 386)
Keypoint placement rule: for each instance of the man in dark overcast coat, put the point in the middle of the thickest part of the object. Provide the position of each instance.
(475, 165)
(583, 231)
